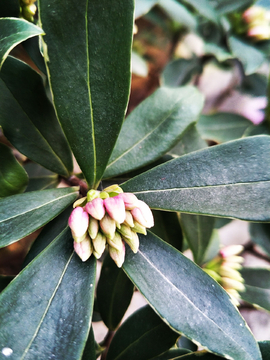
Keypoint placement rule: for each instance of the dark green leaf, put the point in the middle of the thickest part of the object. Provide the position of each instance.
(13, 178)
(189, 300)
(56, 306)
(220, 222)
(228, 180)
(13, 31)
(47, 235)
(178, 13)
(142, 336)
(186, 344)
(260, 234)
(22, 214)
(167, 226)
(197, 231)
(213, 247)
(42, 183)
(248, 55)
(179, 72)
(89, 352)
(265, 349)
(4, 281)
(154, 127)
(257, 284)
(91, 86)
(255, 85)
(172, 354)
(222, 127)
(114, 293)
(32, 48)
(9, 8)
(199, 355)
(28, 118)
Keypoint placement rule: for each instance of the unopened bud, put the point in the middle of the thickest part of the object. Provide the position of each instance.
(235, 259)
(129, 219)
(125, 231)
(30, 9)
(93, 227)
(259, 32)
(83, 249)
(213, 274)
(231, 250)
(108, 226)
(78, 222)
(232, 265)
(92, 194)
(133, 242)
(113, 190)
(228, 283)
(118, 256)
(80, 202)
(95, 208)
(104, 195)
(139, 228)
(130, 200)
(116, 208)
(116, 242)
(99, 244)
(254, 14)
(143, 215)
(226, 271)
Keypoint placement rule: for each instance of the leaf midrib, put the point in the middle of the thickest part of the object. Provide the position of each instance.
(187, 299)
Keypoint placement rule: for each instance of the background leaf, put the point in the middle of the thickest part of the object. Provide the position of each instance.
(90, 98)
(13, 178)
(228, 6)
(28, 118)
(56, 308)
(153, 128)
(210, 318)
(142, 336)
(143, 6)
(178, 13)
(257, 284)
(22, 214)
(228, 180)
(9, 8)
(40, 178)
(13, 31)
(89, 352)
(114, 293)
(260, 234)
(205, 9)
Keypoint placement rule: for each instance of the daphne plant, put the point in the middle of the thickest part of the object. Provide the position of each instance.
(68, 99)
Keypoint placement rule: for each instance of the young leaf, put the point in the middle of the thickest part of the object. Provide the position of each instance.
(260, 234)
(56, 306)
(154, 127)
(22, 214)
(114, 293)
(13, 178)
(189, 300)
(28, 118)
(248, 55)
(257, 284)
(12, 32)
(91, 87)
(228, 180)
(142, 336)
(198, 231)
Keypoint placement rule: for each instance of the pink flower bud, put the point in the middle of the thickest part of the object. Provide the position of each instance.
(108, 226)
(143, 215)
(118, 256)
(78, 222)
(95, 208)
(116, 208)
(231, 250)
(254, 14)
(83, 249)
(259, 32)
(138, 228)
(130, 200)
(129, 219)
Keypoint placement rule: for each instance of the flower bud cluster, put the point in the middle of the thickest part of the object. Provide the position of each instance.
(108, 218)
(224, 269)
(28, 9)
(258, 23)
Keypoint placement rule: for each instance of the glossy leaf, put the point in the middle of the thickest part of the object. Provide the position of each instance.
(42, 183)
(89, 352)
(179, 72)
(114, 293)
(28, 118)
(265, 349)
(153, 128)
(22, 214)
(178, 13)
(213, 247)
(56, 306)
(171, 283)
(13, 178)
(228, 180)
(13, 31)
(248, 55)
(222, 127)
(199, 355)
(142, 336)
(260, 234)
(91, 97)
(172, 354)
(197, 231)
(257, 284)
